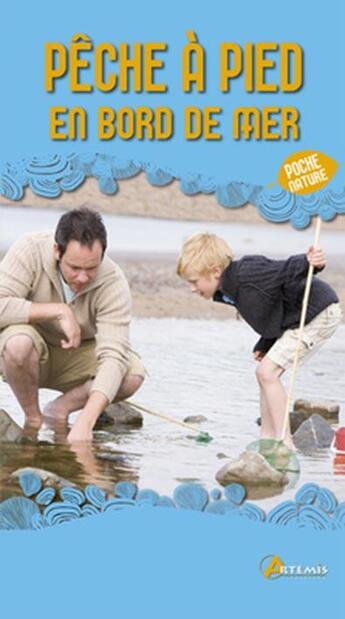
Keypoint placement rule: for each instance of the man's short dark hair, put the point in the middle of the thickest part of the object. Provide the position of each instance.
(82, 225)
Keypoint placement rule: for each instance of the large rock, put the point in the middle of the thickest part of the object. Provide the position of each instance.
(120, 415)
(297, 418)
(327, 410)
(251, 469)
(10, 432)
(314, 433)
(304, 409)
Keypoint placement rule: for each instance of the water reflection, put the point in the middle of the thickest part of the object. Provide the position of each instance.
(78, 464)
(195, 368)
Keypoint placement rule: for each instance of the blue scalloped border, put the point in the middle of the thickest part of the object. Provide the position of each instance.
(314, 507)
(48, 176)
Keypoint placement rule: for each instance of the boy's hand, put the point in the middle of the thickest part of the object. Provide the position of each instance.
(316, 257)
(259, 355)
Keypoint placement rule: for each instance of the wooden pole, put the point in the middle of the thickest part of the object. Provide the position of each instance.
(300, 332)
(164, 417)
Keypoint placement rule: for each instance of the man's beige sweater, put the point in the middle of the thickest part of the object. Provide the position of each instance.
(29, 273)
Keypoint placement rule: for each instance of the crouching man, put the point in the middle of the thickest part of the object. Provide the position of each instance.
(64, 320)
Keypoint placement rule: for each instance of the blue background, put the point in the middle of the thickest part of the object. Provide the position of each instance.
(162, 563)
(146, 562)
(24, 127)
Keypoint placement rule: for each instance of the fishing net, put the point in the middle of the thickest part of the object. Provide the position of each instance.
(279, 456)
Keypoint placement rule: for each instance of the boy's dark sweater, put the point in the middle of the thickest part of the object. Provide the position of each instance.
(268, 294)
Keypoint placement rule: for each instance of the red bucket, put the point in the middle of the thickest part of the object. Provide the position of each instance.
(339, 443)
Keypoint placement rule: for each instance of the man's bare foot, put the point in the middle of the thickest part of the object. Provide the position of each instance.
(33, 421)
(31, 427)
(68, 402)
(56, 410)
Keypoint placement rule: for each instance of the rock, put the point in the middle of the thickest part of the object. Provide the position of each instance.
(297, 418)
(327, 410)
(314, 433)
(108, 457)
(47, 477)
(121, 414)
(195, 419)
(10, 432)
(250, 469)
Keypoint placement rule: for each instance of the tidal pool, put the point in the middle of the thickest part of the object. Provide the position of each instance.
(196, 367)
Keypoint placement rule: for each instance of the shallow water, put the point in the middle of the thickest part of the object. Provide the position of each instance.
(150, 236)
(195, 367)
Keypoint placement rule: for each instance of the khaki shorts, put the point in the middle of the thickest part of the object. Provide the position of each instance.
(315, 334)
(64, 369)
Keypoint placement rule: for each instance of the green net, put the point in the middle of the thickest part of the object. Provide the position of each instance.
(279, 457)
(204, 437)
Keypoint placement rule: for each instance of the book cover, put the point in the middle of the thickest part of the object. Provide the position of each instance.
(209, 140)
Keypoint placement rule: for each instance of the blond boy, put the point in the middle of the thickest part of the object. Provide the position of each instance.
(268, 295)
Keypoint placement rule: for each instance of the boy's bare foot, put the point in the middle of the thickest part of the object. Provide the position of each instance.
(289, 444)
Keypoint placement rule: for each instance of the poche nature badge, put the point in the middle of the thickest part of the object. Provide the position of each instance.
(306, 172)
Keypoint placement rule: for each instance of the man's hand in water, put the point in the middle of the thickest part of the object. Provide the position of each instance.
(82, 429)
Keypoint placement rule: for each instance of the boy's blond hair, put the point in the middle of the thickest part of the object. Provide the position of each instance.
(202, 252)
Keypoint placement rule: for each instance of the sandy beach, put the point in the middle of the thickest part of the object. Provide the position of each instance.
(147, 247)
(137, 197)
(158, 292)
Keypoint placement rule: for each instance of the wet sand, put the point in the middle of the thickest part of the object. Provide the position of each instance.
(136, 196)
(158, 292)
(147, 250)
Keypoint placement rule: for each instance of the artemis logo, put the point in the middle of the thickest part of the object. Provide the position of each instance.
(273, 567)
